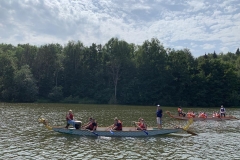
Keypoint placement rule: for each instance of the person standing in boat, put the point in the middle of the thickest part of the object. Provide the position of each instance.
(222, 111)
(117, 126)
(159, 116)
(180, 111)
(69, 118)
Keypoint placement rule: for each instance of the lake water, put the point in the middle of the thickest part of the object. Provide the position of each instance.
(22, 137)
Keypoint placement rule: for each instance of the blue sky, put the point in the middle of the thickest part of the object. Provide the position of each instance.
(199, 25)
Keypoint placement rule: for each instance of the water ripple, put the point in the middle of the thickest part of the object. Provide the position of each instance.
(22, 137)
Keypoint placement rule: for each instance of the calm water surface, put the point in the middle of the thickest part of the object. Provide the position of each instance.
(22, 137)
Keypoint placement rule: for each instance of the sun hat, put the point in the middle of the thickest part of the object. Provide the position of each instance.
(115, 118)
(70, 110)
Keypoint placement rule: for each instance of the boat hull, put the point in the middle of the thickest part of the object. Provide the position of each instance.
(124, 133)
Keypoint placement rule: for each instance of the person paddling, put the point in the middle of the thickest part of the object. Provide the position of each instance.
(92, 125)
(88, 123)
(117, 125)
(141, 125)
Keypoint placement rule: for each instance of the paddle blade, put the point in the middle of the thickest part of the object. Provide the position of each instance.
(95, 133)
(145, 132)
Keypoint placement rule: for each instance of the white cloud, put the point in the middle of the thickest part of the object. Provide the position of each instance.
(208, 46)
(200, 25)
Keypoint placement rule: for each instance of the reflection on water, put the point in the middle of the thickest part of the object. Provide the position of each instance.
(22, 137)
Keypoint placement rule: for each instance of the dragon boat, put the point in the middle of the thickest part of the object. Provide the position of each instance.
(126, 131)
(202, 119)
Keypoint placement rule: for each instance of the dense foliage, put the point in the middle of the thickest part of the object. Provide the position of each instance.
(118, 73)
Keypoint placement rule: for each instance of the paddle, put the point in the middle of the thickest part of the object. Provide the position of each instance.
(111, 131)
(145, 132)
(93, 132)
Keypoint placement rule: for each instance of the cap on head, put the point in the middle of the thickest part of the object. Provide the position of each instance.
(158, 105)
(115, 118)
(70, 110)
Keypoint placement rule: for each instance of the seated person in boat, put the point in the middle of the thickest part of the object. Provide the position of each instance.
(117, 126)
(191, 114)
(141, 125)
(137, 123)
(92, 126)
(69, 118)
(213, 114)
(222, 111)
(217, 115)
(202, 115)
(88, 123)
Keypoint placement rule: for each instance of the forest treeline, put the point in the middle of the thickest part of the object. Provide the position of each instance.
(118, 73)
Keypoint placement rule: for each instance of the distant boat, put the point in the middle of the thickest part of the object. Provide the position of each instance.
(102, 131)
(202, 119)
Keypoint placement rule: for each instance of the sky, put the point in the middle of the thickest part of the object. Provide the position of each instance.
(202, 26)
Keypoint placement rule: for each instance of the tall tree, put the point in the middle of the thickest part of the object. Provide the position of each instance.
(7, 69)
(25, 88)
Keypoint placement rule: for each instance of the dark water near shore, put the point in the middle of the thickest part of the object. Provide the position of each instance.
(22, 137)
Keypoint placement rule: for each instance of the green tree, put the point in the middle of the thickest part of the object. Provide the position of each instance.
(118, 53)
(7, 69)
(238, 52)
(25, 88)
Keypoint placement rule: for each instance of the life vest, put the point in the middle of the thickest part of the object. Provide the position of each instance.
(141, 125)
(189, 115)
(193, 115)
(119, 128)
(202, 115)
(69, 116)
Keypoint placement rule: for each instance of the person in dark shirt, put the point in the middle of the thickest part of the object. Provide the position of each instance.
(222, 111)
(117, 126)
(92, 126)
(159, 116)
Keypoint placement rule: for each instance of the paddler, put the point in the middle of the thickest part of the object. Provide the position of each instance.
(117, 126)
(141, 125)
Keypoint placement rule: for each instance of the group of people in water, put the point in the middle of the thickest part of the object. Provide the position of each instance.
(117, 125)
(191, 114)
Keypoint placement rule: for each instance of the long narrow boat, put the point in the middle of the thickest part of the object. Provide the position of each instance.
(202, 119)
(102, 131)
